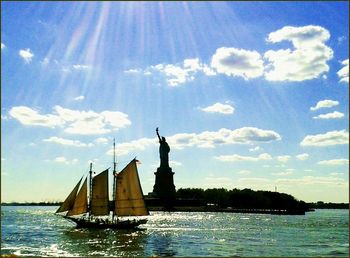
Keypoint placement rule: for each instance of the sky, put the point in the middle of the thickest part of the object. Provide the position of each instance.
(247, 94)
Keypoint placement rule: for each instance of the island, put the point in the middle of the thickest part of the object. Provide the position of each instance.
(223, 200)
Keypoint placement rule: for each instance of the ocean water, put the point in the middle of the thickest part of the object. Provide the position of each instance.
(36, 231)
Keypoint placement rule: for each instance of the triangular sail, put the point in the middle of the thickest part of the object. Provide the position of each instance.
(69, 201)
(129, 199)
(80, 204)
(99, 198)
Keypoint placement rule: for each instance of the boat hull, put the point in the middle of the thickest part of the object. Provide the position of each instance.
(121, 224)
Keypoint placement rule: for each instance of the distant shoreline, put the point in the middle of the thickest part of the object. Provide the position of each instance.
(318, 205)
(31, 204)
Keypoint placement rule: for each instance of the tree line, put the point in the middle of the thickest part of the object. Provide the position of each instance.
(235, 198)
(328, 205)
(242, 199)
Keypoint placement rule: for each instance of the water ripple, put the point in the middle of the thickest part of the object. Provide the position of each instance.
(36, 231)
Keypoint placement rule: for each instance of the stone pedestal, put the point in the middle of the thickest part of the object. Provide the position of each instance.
(164, 187)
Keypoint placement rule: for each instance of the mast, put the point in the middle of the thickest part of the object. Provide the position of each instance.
(114, 178)
(90, 192)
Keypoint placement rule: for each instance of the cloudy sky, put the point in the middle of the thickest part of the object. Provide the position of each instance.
(247, 94)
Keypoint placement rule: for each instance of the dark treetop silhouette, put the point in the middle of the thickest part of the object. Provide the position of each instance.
(164, 150)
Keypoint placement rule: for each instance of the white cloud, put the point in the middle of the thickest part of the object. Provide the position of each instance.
(244, 172)
(194, 65)
(90, 122)
(244, 135)
(237, 62)
(326, 139)
(219, 108)
(179, 74)
(27, 55)
(257, 148)
(81, 97)
(64, 67)
(218, 182)
(115, 119)
(343, 73)
(62, 141)
(28, 116)
(2, 46)
(336, 174)
(101, 140)
(133, 71)
(283, 159)
(303, 156)
(335, 162)
(333, 115)
(311, 180)
(283, 173)
(72, 68)
(307, 61)
(139, 145)
(235, 158)
(80, 67)
(174, 163)
(257, 182)
(280, 166)
(327, 103)
(253, 134)
(92, 161)
(176, 75)
(73, 121)
(64, 160)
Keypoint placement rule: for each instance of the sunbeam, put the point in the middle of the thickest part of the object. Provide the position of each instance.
(230, 84)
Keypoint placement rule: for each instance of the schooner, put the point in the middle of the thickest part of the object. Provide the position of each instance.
(93, 210)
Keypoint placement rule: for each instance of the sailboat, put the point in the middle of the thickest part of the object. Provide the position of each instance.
(128, 206)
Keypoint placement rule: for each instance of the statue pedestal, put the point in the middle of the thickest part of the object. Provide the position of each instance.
(164, 187)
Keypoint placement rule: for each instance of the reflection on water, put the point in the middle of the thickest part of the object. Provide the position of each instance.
(36, 231)
(103, 242)
(161, 245)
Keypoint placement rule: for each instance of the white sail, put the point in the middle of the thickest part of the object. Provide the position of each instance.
(129, 200)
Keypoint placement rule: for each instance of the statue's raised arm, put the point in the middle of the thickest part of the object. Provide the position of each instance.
(158, 134)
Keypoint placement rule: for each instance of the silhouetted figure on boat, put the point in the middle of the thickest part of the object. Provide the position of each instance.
(164, 150)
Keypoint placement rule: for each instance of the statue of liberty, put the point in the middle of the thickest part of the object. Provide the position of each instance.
(164, 150)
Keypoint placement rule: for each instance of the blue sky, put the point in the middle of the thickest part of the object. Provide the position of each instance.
(247, 94)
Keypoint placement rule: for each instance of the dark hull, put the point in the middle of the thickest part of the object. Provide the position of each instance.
(125, 224)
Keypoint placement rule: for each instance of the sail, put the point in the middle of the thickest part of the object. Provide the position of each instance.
(69, 201)
(99, 198)
(80, 204)
(129, 199)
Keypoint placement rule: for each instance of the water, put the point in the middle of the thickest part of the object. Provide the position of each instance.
(36, 231)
